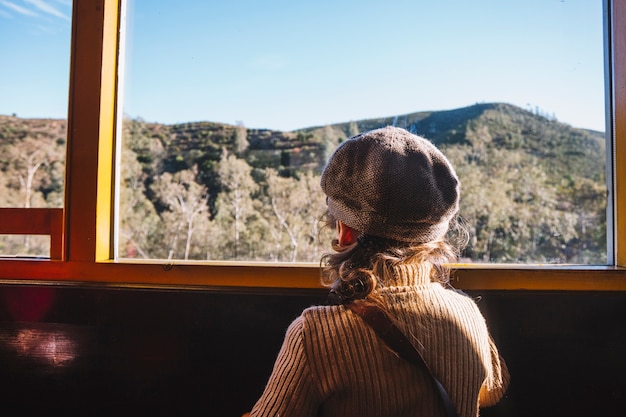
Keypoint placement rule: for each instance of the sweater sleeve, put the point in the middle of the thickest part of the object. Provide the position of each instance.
(290, 390)
(497, 380)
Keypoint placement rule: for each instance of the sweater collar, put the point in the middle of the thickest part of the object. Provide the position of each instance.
(408, 275)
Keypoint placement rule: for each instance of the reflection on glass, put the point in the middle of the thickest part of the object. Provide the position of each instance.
(54, 348)
(230, 110)
(34, 78)
(29, 335)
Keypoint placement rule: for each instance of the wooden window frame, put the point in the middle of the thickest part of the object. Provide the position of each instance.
(81, 233)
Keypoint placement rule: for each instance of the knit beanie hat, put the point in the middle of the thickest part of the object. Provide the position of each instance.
(391, 183)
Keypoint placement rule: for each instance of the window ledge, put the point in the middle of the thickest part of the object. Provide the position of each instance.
(155, 274)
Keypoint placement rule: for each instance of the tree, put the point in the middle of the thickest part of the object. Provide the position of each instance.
(241, 139)
(185, 200)
(590, 209)
(287, 204)
(329, 139)
(296, 207)
(235, 203)
(140, 227)
(353, 129)
(317, 238)
(28, 157)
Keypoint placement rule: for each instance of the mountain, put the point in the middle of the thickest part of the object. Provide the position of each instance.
(533, 188)
(561, 147)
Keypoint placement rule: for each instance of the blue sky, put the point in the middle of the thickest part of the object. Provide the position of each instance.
(285, 64)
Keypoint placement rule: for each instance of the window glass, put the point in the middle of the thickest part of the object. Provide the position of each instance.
(34, 78)
(230, 109)
(25, 246)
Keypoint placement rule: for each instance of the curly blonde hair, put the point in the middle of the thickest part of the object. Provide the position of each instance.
(355, 272)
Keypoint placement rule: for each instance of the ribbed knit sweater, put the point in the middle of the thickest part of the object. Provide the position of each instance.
(332, 364)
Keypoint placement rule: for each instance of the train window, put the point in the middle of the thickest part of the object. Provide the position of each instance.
(34, 80)
(228, 111)
(102, 232)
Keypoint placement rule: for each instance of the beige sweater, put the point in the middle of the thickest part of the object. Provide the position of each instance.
(332, 364)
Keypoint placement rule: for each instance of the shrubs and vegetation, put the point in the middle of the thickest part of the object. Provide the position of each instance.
(533, 189)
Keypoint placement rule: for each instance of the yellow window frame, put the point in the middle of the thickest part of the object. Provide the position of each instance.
(81, 234)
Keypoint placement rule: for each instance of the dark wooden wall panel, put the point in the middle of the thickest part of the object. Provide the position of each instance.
(116, 352)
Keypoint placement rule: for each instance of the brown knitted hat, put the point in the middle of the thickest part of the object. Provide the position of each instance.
(391, 183)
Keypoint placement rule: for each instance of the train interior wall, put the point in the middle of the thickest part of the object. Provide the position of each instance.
(103, 351)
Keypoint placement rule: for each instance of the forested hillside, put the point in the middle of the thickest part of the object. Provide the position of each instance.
(533, 189)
